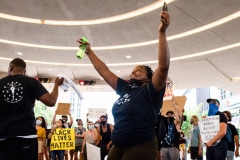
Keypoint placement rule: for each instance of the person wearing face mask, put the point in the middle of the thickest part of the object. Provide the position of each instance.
(195, 145)
(41, 135)
(56, 154)
(79, 132)
(217, 150)
(170, 144)
(233, 145)
(104, 132)
(67, 124)
(135, 115)
(90, 137)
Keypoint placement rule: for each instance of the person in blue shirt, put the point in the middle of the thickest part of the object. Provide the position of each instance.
(135, 117)
(195, 145)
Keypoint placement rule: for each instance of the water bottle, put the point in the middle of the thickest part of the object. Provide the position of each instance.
(82, 49)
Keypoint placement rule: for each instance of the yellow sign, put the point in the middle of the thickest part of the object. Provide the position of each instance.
(63, 139)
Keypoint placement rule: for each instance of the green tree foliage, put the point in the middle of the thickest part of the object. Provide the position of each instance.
(41, 109)
(186, 126)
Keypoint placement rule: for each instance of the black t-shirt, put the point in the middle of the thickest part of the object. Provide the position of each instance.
(224, 120)
(17, 98)
(134, 114)
(231, 145)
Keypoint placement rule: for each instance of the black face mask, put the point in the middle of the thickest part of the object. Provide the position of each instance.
(170, 119)
(134, 83)
(103, 122)
(191, 122)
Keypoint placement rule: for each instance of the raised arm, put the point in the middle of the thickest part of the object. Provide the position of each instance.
(50, 99)
(160, 75)
(100, 66)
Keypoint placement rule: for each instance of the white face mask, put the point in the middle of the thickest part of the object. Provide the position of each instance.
(38, 122)
(96, 125)
(91, 127)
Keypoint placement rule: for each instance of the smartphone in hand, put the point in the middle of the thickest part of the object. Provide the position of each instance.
(165, 8)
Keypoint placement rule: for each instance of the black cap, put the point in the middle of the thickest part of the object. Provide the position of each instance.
(78, 119)
(210, 99)
(103, 116)
(171, 112)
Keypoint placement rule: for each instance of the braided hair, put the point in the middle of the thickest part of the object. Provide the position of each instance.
(149, 71)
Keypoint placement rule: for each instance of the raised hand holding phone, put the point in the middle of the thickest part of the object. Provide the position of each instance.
(165, 8)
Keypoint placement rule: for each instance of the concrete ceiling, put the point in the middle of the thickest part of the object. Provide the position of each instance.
(196, 59)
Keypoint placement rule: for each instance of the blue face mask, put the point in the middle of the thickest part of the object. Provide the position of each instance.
(38, 122)
(213, 109)
(91, 127)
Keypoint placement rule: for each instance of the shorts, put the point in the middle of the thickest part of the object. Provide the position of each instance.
(40, 146)
(78, 148)
(194, 153)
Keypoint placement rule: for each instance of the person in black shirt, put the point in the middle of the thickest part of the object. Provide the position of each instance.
(135, 116)
(18, 135)
(235, 139)
(217, 150)
(104, 136)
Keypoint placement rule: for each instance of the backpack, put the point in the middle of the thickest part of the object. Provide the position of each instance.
(229, 134)
(160, 129)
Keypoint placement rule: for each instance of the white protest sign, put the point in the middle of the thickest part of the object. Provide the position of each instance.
(168, 92)
(93, 152)
(209, 127)
(95, 113)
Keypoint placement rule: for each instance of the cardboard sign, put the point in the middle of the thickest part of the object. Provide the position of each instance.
(63, 108)
(209, 127)
(168, 105)
(95, 113)
(93, 152)
(63, 139)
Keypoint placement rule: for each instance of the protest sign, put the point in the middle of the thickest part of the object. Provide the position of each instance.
(63, 139)
(93, 152)
(168, 105)
(168, 92)
(95, 113)
(63, 109)
(209, 127)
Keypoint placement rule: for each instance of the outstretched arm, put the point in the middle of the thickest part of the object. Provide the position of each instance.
(160, 75)
(100, 66)
(50, 99)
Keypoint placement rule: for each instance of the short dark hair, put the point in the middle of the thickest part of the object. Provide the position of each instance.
(228, 114)
(171, 112)
(63, 116)
(18, 62)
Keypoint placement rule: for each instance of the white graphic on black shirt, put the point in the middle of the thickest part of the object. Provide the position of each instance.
(13, 92)
(124, 99)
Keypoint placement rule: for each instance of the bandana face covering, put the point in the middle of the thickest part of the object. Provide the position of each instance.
(134, 83)
(213, 109)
